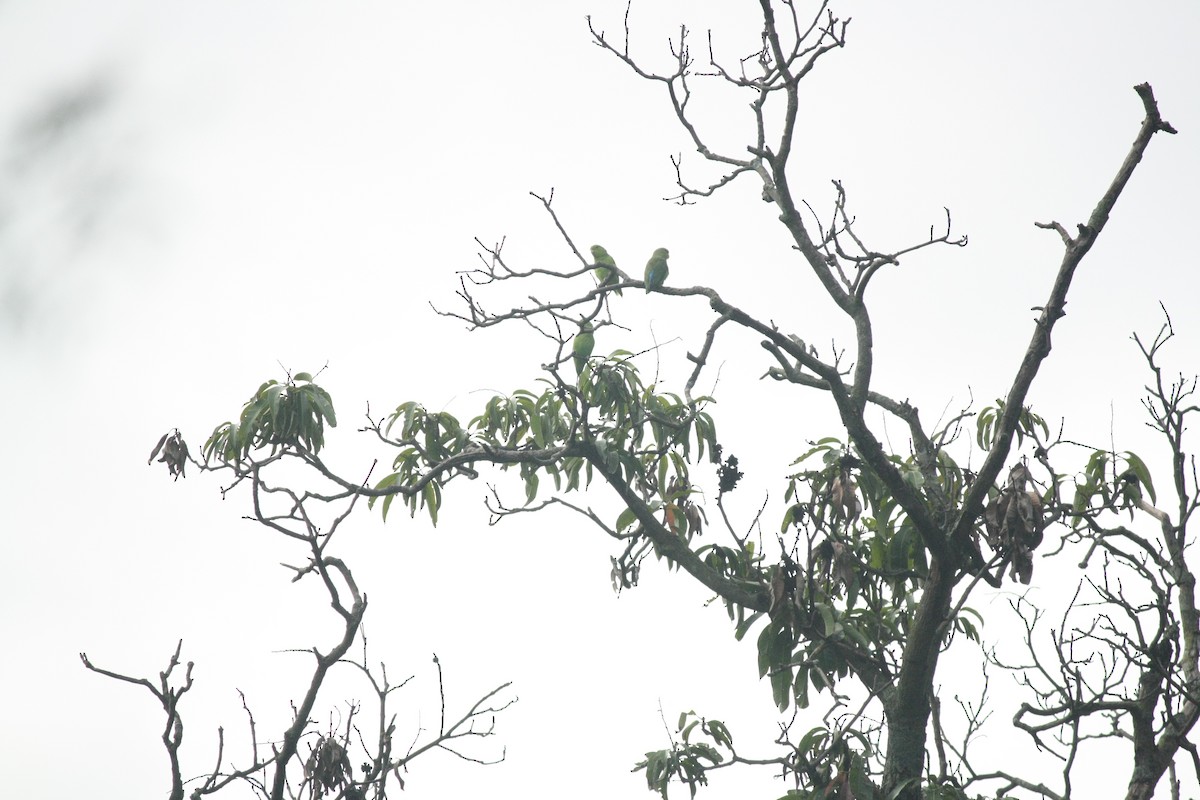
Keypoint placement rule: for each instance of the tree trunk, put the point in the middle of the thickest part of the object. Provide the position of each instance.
(908, 714)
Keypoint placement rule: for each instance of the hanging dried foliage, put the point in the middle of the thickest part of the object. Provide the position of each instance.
(174, 453)
(328, 766)
(680, 514)
(783, 586)
(844, 496)
(1014, 523)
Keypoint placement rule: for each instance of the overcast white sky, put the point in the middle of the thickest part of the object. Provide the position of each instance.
(293, 183)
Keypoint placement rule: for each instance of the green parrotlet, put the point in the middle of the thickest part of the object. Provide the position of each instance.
(656, 270)
(606, 268)
(585, 342)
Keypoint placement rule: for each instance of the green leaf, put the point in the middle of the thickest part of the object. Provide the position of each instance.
(860, 784)
(967, 628)
(1083, 496)
(800, 687)
(1138, 468)
(820, 446)
(899, 548)
(720, 733)
(857, 636)
(974, 613)
(878, 551)
(900, 787)
(781, 688)
(324, 404)
(831, 626)
(789, 517)
(306, 429)
(433, 498)
(1029, 421)
(387, 482)
(984, 424)
(1095, 466)
(911, 474)
(539, 436)
(745, 625)
(815, 738)
(766, 640)
(531, 488)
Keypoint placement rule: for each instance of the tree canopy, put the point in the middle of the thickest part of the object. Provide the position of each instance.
(854, 578)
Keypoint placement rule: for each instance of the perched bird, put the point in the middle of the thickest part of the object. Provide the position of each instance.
(606, 268)
(585, 342)
(656, 270)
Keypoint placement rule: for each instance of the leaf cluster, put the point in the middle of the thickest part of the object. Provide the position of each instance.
(279, 415)
(687, 760)
(611, 421)
(1111, 480)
